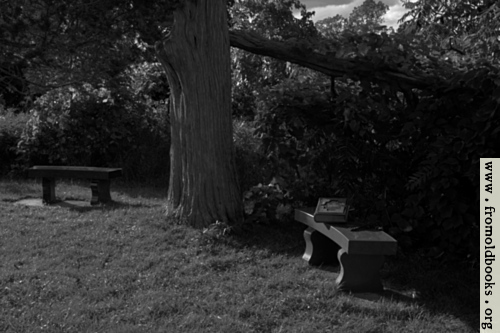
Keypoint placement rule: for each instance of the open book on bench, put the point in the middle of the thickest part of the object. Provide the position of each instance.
(331, 210)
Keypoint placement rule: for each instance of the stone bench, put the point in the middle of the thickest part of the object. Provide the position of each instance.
(360, 252)
(99, 180)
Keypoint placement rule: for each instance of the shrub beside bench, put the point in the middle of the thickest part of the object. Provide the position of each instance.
(359, 251)
(100, 179)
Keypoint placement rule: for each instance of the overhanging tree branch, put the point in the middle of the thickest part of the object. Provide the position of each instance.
(327, 64)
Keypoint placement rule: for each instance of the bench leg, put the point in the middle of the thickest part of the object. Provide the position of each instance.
(359, 272)
(100, 191)
(48, 190)
(320, 250)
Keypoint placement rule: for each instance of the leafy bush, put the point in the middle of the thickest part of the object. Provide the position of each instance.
(297, 128)
(11, 127)
(263, 203)
(267, 203)
(97, 127)
(458, 129)
(410, 167)
(251, 164)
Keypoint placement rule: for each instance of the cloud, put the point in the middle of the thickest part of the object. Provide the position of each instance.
(391, 3)
(323, 3)
(394, 14)
(329, 8)
(332, 10)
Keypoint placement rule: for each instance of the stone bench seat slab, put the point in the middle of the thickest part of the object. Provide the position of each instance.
(73, 172)
(367, 242)
(99, 180)
(360, 253)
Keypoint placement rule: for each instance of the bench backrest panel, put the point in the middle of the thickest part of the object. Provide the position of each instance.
(365, 242)
(43, 171)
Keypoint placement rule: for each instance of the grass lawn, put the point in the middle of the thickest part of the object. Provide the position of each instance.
(126, 268)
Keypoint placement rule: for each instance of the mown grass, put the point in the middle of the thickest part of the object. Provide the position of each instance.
(126, 268)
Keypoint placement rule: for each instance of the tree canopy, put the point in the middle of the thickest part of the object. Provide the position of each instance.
(57, 43)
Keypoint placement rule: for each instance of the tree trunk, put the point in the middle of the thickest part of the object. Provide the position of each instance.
(203, 182)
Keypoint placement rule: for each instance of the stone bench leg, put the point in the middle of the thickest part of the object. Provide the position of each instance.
(320, 250)
(48, 190)
(100, 191)
(359, 272)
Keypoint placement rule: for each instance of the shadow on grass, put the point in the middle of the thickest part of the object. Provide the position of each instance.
(108, 206)
(137, 190)
(448, 286)
(75, 204)
(280, 239)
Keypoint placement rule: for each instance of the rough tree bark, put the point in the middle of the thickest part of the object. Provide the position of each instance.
(195, 55)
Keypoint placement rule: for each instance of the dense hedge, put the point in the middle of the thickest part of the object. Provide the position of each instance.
(95, 127)
(409, 167)
(11, 128)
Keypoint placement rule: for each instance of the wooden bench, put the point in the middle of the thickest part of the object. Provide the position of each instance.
(360, 252)
(99, 180)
